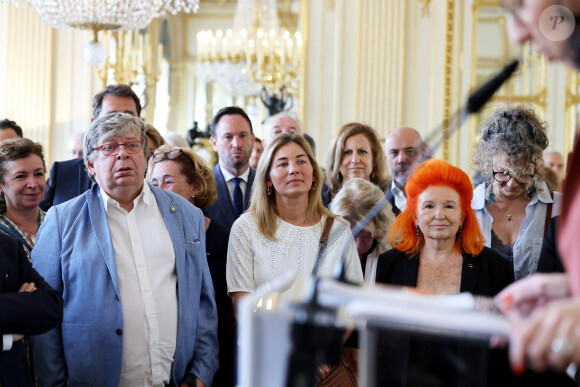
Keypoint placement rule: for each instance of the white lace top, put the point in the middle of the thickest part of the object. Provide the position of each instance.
(253, 259)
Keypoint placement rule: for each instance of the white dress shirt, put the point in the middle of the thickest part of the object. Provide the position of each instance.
(145, 262)
(7, 342)
(228, 177)
(528, 244)
(399, 195)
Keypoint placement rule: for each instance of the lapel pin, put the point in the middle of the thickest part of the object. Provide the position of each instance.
(470, 265)
(172, 208)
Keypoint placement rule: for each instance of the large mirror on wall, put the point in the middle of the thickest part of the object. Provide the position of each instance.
(555, 97)
(492, 50)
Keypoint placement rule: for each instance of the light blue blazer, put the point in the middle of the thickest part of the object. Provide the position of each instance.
(74, 253)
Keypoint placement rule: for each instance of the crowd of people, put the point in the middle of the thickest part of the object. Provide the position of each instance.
(134, 273)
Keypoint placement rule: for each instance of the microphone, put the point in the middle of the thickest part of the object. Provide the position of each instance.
(474, 103)
(316, 339)
(485, 92)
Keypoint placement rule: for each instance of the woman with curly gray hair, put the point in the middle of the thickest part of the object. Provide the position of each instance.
(514, 206)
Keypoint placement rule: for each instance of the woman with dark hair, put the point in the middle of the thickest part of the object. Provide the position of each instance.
(22, 183)
(514, 206)
(181, 171)
(355, 151)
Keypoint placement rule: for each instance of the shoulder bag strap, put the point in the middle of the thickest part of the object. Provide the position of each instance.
(548, 215)
(322, 244)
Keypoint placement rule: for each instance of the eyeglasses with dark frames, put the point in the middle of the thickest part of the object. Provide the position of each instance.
(113, 149)
(506, 176)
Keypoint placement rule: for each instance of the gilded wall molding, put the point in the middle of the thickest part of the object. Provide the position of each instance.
(425, 5)
(448, 84)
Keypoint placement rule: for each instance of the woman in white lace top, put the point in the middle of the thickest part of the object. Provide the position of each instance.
(282, 228)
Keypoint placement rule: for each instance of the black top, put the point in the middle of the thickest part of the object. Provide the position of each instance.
(28, 313)
(485, 275)
(549, 261)
(216, 239)
(415, 359)
(506, 250)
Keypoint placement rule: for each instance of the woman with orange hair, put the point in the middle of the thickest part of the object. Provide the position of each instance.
(438, 246)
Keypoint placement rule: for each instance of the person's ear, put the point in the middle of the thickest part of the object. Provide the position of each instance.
(213, 143)
(90, 166)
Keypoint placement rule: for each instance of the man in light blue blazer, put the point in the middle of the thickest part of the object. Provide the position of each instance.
(129, 260)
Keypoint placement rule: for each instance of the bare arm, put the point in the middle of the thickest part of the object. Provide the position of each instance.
(236, 297)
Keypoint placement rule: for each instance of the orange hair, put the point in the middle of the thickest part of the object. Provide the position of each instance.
(403, 234)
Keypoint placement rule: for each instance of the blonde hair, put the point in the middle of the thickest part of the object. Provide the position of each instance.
(355, 199)
(263, 206)
(154, 134)
(380, 172)
(195, 171)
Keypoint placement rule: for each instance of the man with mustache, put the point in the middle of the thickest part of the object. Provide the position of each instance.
(403, 150)
(232, 137)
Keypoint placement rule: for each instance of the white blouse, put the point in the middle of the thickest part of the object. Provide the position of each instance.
(254, 260)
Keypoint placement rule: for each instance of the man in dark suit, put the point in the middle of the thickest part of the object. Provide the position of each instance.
(404, 149)
(232, 137)
(28, 306)
(68, 179)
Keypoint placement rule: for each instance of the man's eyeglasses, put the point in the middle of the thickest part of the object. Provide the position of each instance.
(171, 155)
(113, 149)
(505, 177)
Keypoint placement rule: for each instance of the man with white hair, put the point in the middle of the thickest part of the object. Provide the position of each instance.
(283, 122)
(75, 145)
(138, 310)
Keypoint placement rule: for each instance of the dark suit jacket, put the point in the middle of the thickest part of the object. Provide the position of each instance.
(67, 180)
(28, 313)
(222, 210)
(391, 199)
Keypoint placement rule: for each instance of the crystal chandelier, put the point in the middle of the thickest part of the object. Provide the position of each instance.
(256, 53)
(102, 15)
